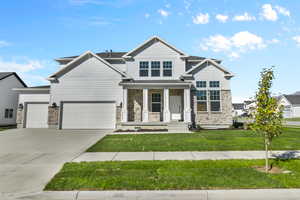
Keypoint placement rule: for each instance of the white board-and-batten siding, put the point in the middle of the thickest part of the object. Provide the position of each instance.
(92, 80)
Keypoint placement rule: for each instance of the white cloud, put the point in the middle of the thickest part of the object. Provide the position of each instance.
(24, 66)
(297, 39)
(273, 41)
(4, 43)
(233, 46)
(283, 11)
(245, 17)
(201, 18)
(163, 12)
(268, 13)
(28, 69)
(147, 15)
(222, 18)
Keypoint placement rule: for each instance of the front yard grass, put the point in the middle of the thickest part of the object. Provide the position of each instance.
(205, 140)
(172, 175)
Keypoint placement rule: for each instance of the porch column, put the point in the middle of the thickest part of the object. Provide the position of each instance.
(187, 105)
(167, 115)
(124, 105)
(145, 105)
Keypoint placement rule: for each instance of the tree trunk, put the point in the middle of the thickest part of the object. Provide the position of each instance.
(267, 154)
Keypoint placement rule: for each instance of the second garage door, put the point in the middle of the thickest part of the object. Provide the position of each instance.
(89, 115)
(37, 115)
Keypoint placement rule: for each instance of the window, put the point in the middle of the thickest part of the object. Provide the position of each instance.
(155, 68)
(201, 100)
(215, 104)
(214, 84)
(201, 84)
(144, 68)
(8, 113)
(156, 102)
(167, 65)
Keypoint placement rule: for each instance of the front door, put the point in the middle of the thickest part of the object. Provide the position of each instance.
(176, 107)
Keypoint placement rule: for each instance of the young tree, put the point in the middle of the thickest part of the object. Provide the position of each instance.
(268, 114)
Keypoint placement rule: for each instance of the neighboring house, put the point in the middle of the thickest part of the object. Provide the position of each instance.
(8, 97)
(250, 106)
(291, 104)
(155, 84)
(238, 109)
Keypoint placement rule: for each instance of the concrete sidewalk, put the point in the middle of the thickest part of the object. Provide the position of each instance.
(184, 155)
(245, 194)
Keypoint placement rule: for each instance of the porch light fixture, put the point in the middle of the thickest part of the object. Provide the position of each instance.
(20, 106)
(54, 105)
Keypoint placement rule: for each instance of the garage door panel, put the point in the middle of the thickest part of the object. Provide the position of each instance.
(37, 115)
(88, 116)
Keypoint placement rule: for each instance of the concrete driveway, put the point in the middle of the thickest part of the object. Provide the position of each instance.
(30, 157)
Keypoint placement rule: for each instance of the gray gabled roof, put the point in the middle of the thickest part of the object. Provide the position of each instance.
(238, 106)
(293, 99)
(4, 75)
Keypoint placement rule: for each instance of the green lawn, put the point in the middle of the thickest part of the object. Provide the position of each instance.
(297, 119)
(205, 140)
(164, 175)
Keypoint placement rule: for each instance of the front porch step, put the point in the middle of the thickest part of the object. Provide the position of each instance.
(178, 127)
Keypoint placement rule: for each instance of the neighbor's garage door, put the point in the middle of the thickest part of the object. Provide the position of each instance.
(86, 115)
(37, 115)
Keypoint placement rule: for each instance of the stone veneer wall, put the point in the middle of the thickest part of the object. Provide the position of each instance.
(223, 118)
(118, 114)
(53, 117)
(20, 117)
(135, 104)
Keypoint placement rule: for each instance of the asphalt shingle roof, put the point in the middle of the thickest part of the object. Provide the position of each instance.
(293, 99)
(3, 75)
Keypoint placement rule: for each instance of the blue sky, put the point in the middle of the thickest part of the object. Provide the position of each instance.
(246, 35)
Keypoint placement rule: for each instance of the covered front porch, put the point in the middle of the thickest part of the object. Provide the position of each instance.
(156, 101)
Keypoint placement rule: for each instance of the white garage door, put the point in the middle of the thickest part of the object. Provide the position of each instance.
(37, 115)
(89, 115)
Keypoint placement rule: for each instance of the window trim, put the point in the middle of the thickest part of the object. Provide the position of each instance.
(160, 102)
(8, 113)
(206, 94)
(220, 110)
(156, 69)
(144, 69)
(200, 84)
(167, 67)
(219, 84)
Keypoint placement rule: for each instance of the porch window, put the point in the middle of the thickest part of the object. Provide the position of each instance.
(144, 68)
(167, 65)
(214, 84)
(201, 100)
(8, 114)
(215, 103)
(156, 102)
(155, 68)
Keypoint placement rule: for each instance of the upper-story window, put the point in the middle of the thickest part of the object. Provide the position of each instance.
(155, 68)
(167, 66)
(201, 84)
(214, 84)
(144, 68)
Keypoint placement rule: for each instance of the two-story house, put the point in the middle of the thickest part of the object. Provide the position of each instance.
(8, 97)
(155, 84)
